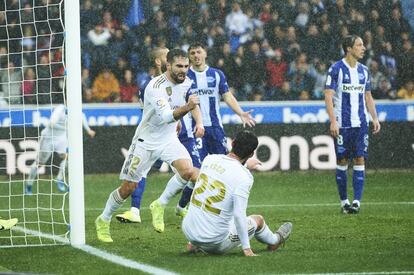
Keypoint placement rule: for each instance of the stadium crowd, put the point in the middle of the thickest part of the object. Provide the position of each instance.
(269, 50)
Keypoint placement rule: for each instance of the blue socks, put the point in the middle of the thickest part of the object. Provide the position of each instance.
(185, 197)
(358, 179)
(341, 181)
(138, 193)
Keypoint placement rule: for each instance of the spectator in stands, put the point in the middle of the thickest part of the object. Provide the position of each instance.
(128, 89)
(88, 16)
(11, 84)
(285, 93)
(388, 63)
(86, 85)
(276, 71)
(256, 75)
(384, 90)
(376, 77)
(106, 87)
(318, 71)
(405, 61)
(237, 24)
(29, 87)
(407, 91)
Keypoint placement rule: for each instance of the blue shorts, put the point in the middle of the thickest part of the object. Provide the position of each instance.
(352, 143)
(213, 142)
(190, 145)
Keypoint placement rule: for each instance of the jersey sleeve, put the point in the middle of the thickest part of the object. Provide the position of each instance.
(368, 82)
(223, 86)
(243, 189)
(240, 220)
(332, 79)
(160, 105)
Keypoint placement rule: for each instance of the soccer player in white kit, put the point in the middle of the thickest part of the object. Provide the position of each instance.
(167, 99)
(348, 101)
(216, 221)
(53, 139)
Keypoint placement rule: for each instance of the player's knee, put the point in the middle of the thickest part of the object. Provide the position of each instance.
(342, 162)
(186, 173)
(127, 188)
(359, 161)
(259, 221)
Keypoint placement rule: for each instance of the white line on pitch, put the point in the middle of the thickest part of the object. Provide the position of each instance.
(292, 205)
(354, 273)
(119, 260)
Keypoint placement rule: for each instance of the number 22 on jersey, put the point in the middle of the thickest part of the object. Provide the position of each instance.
(208, 186)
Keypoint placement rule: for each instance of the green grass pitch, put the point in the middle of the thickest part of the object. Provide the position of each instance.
(379, 239)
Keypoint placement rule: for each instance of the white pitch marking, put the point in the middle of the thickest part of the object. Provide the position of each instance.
(291, 205)
(100, 253)
(355, 273)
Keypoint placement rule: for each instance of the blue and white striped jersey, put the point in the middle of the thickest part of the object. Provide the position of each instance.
(350, 86)
(210, 85)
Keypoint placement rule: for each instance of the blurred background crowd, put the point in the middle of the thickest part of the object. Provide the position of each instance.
(269, 50)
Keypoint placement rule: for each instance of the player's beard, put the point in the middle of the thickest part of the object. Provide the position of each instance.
(176, 78)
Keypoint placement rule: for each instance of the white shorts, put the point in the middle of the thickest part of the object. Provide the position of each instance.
(140, 160)
(231, 241)
(49, 144)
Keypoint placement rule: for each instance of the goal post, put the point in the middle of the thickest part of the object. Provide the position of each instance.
(41, 119)
(74, 107)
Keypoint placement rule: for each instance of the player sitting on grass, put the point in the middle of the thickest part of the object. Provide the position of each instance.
(216, 221)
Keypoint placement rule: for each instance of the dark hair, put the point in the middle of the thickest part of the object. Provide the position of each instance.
(244, 144)
(175, 53)
(349, 41)
(196, 45)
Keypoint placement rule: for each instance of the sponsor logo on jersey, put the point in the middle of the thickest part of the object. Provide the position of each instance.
(161, 103)
(204, 91)
(353, 88)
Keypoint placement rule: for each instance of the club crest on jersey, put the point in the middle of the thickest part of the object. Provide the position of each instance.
(361, 76)
(169, 91)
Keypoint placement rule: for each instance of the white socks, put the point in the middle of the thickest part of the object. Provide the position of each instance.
(32, 174)
(113, 203)
(266, 236)
(62, 168)
(174, 185)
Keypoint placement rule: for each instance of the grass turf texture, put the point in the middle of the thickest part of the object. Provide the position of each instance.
(379, 239)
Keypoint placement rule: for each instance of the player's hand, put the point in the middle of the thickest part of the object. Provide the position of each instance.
(199, 130)
(247, 118)
(248, 252)
(253, 163)
(334, 129)
(377, 126)
(91, 133)
(193, 101)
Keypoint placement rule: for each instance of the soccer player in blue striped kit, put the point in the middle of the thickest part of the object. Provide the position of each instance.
(348, 101)
(210, 84)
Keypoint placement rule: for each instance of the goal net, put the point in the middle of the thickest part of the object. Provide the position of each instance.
(33, 119)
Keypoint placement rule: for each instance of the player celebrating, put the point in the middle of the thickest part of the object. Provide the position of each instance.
(216, 220)
(186, 137)
(53, 139)
(159, 65)
(210, 84)
(167, 99)
(347, 98)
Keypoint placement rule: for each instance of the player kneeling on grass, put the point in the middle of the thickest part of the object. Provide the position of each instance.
(216, 221)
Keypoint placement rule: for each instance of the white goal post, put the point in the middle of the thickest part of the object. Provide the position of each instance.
(74, 105)
(41, 123)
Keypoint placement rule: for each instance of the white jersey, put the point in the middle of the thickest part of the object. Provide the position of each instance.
(210, 213)
(57, 122)
(162, 97)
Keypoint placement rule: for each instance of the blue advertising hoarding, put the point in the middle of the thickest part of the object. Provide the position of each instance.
(264, 113)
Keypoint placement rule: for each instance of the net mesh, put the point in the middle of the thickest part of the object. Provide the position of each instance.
(32, 132)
